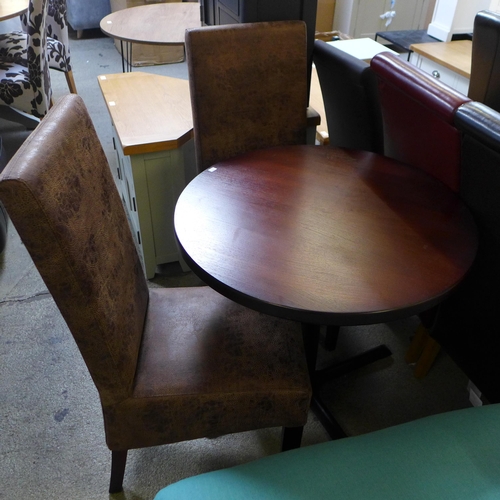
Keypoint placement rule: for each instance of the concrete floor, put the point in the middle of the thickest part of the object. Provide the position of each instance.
(51, 434)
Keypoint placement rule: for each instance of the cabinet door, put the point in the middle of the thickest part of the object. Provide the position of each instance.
(366, 20)
(228, 12)
(208, 12)
(410, 15)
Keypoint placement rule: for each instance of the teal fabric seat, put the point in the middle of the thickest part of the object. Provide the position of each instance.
(453, 455)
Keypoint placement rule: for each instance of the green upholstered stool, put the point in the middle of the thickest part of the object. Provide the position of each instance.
(453, 455)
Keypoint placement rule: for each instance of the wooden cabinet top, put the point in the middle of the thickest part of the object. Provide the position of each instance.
(455, 55)
(150, 112)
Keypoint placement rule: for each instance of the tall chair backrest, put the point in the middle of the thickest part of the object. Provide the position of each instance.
(57, 28)
(92, 271)
(467, 324)
(484, 83)
(418, 112)
(36, 46)
(350, 96)
(13, 45)
(249, 87)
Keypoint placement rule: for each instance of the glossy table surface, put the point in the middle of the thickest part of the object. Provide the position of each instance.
(12, 8)
(161, 23)
(325, 235)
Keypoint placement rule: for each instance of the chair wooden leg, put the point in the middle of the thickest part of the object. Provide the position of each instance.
(291, 438)
(431, 350)
(422, 351)
(417, 344)
(118, 462)
(71, 82)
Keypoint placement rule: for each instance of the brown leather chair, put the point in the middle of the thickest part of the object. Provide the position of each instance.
(418, 118)
(169, 364)
(249, 87)
(484, 83)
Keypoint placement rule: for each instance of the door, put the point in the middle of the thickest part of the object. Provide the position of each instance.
(399, 15)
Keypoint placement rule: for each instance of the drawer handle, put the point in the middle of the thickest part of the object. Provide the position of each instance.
(436, 74)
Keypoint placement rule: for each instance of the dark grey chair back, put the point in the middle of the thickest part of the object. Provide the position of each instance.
(468, 323)
(485, 69)
(350, 97)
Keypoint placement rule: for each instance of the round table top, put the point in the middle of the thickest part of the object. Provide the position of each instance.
(155, 24)
(12, 8)
(325, 235)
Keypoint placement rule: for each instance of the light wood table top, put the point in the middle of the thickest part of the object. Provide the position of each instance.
(156, 24)
(150, 112)
(12, 8)
(325, 235)
(456, 55)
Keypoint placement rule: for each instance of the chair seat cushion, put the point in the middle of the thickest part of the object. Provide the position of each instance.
(208, 366)
(15, 87)
(13, 48)
(454, 455)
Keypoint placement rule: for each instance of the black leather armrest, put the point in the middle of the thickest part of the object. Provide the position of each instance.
(481, 122)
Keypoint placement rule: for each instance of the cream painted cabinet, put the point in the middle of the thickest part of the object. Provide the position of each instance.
(149, 185)
(155, 152)
(362, 18)
(441, 72)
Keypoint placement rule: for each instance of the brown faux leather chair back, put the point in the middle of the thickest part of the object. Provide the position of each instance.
(92, 270)
(249, 87)
(485, 69)
(417, 114)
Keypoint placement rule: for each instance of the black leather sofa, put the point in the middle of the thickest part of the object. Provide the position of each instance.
(485, 67)
(468, 322)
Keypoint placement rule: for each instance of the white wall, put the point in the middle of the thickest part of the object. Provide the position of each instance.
(456, 16)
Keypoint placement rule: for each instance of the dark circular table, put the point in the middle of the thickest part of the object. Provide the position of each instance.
(325, 236)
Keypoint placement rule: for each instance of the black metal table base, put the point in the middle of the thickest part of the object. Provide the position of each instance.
(318, 377)
(126, 53)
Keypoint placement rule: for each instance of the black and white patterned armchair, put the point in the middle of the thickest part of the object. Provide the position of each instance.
(25, 84)
(13, 45)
